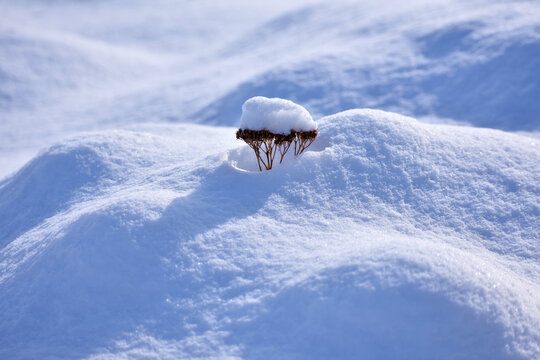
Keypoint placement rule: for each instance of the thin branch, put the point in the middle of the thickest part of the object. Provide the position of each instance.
(272, 142)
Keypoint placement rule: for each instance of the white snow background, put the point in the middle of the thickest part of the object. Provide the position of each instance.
(133, 225)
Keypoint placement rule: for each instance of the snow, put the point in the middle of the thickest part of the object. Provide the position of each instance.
(69, 66)
(134, 225)
(278, 116)
(387, 237)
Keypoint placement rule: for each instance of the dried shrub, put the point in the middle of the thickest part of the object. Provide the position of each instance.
(266, 144)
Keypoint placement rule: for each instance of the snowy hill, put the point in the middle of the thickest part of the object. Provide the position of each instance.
(389, 238)
(498, 89)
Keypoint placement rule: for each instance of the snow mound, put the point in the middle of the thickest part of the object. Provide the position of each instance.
(485, 92)
(387, 238)
(432, 61)
(46, 185)
(278, 116)
(39, 67)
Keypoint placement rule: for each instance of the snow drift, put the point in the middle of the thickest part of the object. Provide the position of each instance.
(389, 239)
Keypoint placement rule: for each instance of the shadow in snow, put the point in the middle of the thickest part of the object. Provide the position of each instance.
(45, 187)
(225, 194)
(493, 87)
(448, 40)
(331, 315)
(106, 277)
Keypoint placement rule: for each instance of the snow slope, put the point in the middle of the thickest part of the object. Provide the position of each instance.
(388, 238)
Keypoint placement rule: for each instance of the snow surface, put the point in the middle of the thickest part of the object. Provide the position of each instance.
(276, 115)
(129, 232)
(389, 238)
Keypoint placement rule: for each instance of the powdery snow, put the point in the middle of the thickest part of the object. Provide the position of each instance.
(279, 116)
(387, 238)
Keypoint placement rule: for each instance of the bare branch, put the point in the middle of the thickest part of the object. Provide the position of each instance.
(256, 139)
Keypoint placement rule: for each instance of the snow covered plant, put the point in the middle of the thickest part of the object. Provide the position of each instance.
(270, 126)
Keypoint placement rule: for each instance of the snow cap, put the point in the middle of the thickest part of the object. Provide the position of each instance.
(275, 115)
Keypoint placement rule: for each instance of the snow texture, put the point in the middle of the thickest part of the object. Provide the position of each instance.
(127, 231)
(278, 116)
(388, 238)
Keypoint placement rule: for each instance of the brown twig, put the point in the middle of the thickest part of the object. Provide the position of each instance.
(256, 139)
